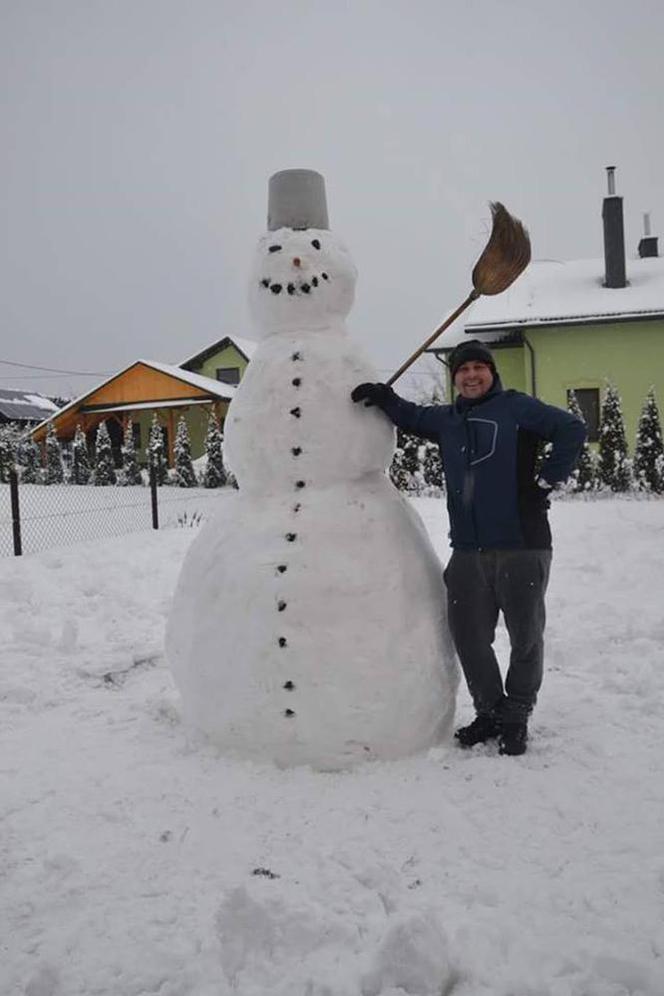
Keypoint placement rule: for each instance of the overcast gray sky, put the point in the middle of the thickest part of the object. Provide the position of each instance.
(138, 137)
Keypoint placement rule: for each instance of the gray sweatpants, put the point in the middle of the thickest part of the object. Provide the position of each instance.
(479, 586)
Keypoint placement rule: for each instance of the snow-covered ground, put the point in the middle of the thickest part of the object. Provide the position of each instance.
(135, 861)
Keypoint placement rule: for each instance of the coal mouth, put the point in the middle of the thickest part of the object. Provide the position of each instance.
(299, 288)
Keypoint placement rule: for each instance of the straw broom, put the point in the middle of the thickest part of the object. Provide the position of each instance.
(505, 257)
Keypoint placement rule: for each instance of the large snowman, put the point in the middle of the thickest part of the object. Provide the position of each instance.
(308, 625)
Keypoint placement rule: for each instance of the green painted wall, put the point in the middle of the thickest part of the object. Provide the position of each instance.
(144, 419)
(228, 357)
(197, 422)
(630, 354)
(510, 363)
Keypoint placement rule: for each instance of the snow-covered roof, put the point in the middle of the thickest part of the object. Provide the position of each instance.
(246, 346)
(137, 406)
(559, 293)
(214, 387)
(24, 406)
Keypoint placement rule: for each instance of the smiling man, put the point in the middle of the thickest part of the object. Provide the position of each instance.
(499, 529)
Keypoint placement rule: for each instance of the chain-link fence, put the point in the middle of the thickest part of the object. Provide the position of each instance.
(35, 517)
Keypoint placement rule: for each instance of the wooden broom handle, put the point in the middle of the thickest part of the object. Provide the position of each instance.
(432, 338)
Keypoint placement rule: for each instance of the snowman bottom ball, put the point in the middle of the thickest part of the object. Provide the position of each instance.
(326, 645)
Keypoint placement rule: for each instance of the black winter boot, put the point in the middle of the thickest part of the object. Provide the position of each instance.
(513, 738)
(481, 729)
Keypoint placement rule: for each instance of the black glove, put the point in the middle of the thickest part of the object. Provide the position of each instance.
(372, 394)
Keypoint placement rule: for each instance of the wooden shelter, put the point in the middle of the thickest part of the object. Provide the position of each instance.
(137, 393)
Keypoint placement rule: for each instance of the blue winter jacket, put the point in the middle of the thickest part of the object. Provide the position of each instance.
(489, 448)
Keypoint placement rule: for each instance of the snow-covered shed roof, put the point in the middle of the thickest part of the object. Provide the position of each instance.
(24, 406)
(216, 387)
(245, 346)
(564, 293)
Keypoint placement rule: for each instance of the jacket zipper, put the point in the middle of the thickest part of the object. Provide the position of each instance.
(468, 473)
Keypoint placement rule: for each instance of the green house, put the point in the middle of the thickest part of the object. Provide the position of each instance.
(579, 324)
(225, 360)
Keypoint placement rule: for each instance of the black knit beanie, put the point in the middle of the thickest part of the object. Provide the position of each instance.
(471, 350)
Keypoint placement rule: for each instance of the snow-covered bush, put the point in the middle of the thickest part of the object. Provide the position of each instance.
(432, 468)
(615, 470)
(80, 461)
(649, 450)
(131, 472)
(184, 471)
(54, 473)
(214, 475)
(104, 472)
(406, 469)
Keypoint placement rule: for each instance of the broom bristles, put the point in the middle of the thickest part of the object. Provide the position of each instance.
(506, 255)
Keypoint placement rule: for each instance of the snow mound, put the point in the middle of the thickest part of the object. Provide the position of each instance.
(334, 934)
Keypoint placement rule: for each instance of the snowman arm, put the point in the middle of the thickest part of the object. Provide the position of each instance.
(421, 420)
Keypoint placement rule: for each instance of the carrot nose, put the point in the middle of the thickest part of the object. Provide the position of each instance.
(297, 261)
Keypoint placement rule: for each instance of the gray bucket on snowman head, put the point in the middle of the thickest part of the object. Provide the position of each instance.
(296, 199)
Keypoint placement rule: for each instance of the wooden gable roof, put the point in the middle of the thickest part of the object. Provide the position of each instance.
(143, 384)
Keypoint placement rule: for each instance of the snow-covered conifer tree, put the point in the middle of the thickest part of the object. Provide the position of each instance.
(614, 464)
(649, 450)
(405, 471)
(156, 452)
(131, 472)
(31, 472)
(104, 472)
(584, 475)
(184, 470)
(80, 461)
(7, 453)
(54, 473)
(215, 473)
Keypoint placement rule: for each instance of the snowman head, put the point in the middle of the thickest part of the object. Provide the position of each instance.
(301, 279)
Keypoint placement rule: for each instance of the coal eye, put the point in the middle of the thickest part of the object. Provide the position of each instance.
(315, 243)
(274, 249)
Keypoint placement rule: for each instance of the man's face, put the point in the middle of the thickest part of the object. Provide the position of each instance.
(473, 379)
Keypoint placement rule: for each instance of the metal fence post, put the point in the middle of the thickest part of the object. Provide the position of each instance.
(153, 494)
(16, 512)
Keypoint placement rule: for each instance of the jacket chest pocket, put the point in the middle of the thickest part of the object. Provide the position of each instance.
(482, 439)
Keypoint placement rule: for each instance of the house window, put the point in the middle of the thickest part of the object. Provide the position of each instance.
(588, 398)
(229, 375)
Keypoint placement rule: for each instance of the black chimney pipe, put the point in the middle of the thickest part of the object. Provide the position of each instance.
(614, 235)
(648, 244)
